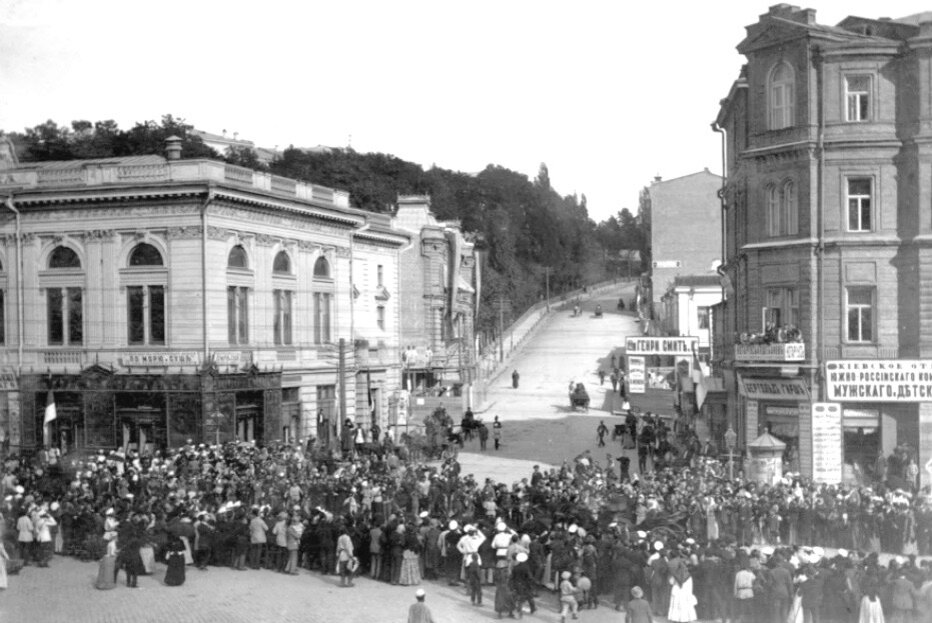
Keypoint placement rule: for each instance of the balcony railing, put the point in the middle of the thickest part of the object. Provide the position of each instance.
(787, 351)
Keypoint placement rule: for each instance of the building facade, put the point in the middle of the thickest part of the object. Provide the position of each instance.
(827, 134)
(440, 283)
(692, 202)
(156, 300)
(686, 307)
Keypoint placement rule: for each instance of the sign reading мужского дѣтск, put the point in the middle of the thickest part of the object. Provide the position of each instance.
(879, 380)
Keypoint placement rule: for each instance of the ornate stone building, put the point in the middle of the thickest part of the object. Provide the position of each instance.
(157, 300)
(827, 135)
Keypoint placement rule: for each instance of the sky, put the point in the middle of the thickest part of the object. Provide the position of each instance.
(609, 94)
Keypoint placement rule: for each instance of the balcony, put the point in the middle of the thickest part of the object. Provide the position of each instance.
(788, 351)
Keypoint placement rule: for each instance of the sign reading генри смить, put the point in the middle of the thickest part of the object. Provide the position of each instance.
(879, 380)
(661, 345)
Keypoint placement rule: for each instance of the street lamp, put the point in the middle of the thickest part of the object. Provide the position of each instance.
(731, 439)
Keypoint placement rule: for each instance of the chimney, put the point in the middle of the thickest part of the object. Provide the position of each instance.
(173, 148)
(657, 178)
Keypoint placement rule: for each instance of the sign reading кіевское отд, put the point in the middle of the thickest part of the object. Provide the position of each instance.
(879, 380)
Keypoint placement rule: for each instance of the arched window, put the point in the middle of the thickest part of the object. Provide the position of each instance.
(322, 268)
(63, 257)
(773, 211)
(282, 264)
(789, 209)
(237, 258)
(145, 255)
(782, 98)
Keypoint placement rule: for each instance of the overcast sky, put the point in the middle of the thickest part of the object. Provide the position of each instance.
(608, 93)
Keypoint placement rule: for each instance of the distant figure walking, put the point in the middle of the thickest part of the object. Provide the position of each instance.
(419, 612)
(601, 431)
(497, 432)
(514, 379)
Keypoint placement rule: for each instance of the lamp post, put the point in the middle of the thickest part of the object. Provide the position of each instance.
(731, 439)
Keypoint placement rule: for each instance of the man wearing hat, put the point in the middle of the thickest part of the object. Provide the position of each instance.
(419, 612)
(452, 558)
(522, 584)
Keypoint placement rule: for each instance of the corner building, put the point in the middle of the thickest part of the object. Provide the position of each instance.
(157, 300)
(827, 139)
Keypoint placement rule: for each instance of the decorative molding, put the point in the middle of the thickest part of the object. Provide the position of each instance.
(60, 215)
(272, 218)
(219, 233)
(99, 234)
(343, 252)
(307, 245)
(187, 232)
(265, 240)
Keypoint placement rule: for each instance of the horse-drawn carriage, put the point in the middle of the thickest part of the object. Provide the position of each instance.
(579, 398)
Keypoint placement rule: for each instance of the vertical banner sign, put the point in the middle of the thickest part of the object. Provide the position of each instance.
(751, 419)
(637, 375)
(826, 442)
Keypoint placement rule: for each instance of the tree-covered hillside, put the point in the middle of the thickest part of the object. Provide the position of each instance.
(524, 227)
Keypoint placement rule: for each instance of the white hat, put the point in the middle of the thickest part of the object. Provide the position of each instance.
(109, 511)
(55, 506)
(469, 527)
(572, 529)
(642, 534)
(521, 557)
(423, 514)
(767, 551)
(818, 551)
(658, 546)
(500, 526)
(690, 541)
(453, 524)
(419, 592)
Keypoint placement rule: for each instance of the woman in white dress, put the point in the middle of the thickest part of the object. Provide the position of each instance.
(682, 600)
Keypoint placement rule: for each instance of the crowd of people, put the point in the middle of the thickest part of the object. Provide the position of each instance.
(682, 541)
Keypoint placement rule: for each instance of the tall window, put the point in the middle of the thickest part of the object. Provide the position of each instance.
(282, 321)
(65, 316)
(773, 211)
(859, 204)
(782, 97)
(282, 264)
(380, 274)
(237, 258)
(65, 304)
(380, 316)
(857, 97)
(238, 314)
(782, 212)
(860, 312)
(322, 268)
(782, 307)
(2, 317)
(322, 303)
(145, 255)
(145, 314)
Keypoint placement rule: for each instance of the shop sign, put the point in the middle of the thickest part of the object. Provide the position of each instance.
(788, 351)
(661, 345)
(666, 264)
(826, 442)
(161, 358)
(231, 357)
(8, 380)
(879, 380)
(419, 357)
(637, 375)
(773, 389)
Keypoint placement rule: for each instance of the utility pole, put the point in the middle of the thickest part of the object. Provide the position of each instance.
(502, 303)
(547, 277)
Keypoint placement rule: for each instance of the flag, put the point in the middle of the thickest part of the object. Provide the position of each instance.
(50, 412)
(700, 372)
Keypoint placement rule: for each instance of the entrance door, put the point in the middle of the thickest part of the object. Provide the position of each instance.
(142, 429)
(248, 424)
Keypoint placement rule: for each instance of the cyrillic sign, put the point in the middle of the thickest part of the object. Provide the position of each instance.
(661, 345)
(789, 351)
(189, 358)
(879, 380)
(637, 375)
(773, 389)
(826, 442)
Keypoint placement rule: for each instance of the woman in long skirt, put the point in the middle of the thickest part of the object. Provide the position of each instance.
(3, 558)
(175, 575)
(504, 599)
(682, 600)
(106, 573)
(410, 563)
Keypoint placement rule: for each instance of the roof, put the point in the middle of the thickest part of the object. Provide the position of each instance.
(767, 441)
(70, 164)
(705, 171)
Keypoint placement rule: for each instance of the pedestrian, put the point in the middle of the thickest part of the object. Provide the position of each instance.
(568, 603)
(638, 610)
(26, 536)
(522, 584)
(257, 538)
(614, 379)
(44, 538)
(292, 541)
(601, 431)
(175, 575)
(601, 376)
(419, 612)
(514, 379)
(345, 557)
(497, 433)
(483, 436)
(474, 578)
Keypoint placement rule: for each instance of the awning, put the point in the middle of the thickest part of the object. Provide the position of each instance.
(756, 388)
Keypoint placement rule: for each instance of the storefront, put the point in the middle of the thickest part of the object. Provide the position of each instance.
(100, 408)
(781, 407)
(881, 403)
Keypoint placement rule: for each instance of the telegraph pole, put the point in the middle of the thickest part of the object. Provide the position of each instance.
(547, 277)
(502, 303)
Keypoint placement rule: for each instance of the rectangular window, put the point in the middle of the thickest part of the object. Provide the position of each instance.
(65, 316)
(322, 301)
(380, 316)
(282, 322)
(773, 212)
(145, 314)
(859, 204)
(781, 110)
(703, 317)
(380, 274)
(860, 308)
(238, 314)
(857, 97)
(782, 308)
